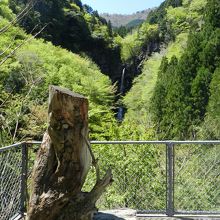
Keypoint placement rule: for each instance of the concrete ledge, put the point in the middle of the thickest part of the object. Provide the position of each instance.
(129, 214)
(117, 214)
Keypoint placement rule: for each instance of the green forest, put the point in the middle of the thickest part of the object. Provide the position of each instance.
(88, 58)
(171, 86)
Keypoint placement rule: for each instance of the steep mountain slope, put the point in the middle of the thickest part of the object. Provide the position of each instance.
(26, 75)
(189, 96)
(172, 96)
(75, 27)
(138, 99)
(132, 20)
(154, 34)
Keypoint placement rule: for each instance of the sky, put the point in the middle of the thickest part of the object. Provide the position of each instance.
(121, 6)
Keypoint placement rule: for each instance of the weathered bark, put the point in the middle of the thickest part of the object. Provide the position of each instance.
(63, 162)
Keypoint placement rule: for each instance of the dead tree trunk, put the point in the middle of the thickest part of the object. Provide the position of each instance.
(63, 162)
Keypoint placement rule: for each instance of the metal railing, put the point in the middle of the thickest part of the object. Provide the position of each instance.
(152, 177)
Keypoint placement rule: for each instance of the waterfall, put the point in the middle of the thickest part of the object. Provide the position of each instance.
(122, 87)
(122, 82)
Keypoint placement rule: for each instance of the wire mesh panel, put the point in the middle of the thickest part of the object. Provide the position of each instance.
(32, 154)
(197, 178)
(139, 173)
(10, 182)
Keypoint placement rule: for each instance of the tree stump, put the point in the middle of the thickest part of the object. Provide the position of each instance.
(63, 162)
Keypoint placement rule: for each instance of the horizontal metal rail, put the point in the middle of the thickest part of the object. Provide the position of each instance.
(11, 146)
(156, 142)
(217, 142)
(156, 212)
(179, 213)
(197, 213)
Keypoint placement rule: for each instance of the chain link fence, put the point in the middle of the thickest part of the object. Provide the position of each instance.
(11, 181)
(167, 177)
(139, 173)
(152, 177)
(16, 163)
(197, 178)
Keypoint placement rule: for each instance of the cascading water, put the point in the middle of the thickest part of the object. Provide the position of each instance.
(122, 88)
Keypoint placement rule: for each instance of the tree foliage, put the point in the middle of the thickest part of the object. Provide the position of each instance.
(24, 82)
(187, 82)
(134, 43)
(73, 26)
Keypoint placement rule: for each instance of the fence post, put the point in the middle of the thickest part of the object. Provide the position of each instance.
(23, 188)
(170, 179)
